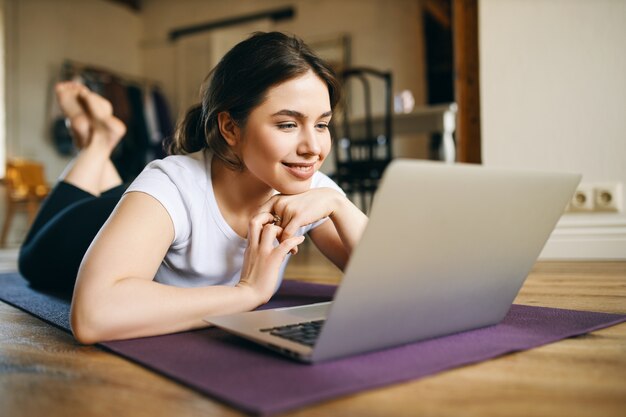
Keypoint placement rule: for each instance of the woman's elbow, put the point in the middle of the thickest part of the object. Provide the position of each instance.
(85, 325)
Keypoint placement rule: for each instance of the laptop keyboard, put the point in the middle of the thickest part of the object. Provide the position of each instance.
(303, 333)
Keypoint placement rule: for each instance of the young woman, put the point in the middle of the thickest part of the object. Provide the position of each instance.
(206, 231)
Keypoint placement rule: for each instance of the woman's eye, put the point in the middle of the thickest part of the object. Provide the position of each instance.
(322, 126)
(286, 126)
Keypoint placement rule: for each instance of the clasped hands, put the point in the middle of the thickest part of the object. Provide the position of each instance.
(280, 218)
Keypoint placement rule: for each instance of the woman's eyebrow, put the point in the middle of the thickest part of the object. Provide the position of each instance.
(297, 114)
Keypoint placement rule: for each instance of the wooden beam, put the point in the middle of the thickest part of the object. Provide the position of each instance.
(466, 79)
(440, 10)
(133, 4)
(277, 15)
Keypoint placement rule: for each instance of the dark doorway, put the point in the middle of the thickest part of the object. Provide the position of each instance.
(439, 60)
(452, 70)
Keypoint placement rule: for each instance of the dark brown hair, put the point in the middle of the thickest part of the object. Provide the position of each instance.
(239, 83)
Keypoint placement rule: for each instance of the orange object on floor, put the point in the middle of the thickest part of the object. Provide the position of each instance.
(26, 187)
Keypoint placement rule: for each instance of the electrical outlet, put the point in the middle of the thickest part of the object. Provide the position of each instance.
(582, 200)
(596, 197)
(607, 197)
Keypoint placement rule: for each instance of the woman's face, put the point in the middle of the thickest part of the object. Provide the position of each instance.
(286, 138)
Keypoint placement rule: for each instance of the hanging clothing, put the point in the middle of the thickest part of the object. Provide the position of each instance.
(165, 121)
(152, 124)
(134, 146)
(117, 94)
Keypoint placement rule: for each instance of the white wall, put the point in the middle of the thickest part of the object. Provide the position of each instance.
(2, 91)
(386, 34)
(40, 35)
(553, 96)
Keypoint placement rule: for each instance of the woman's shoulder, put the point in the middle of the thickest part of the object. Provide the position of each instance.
(176, 175)
(179, 183)
(190, 168)
(190, 162)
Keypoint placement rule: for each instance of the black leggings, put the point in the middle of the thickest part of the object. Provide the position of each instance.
(65, 226)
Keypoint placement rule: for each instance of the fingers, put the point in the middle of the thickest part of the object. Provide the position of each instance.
(263, 233)
(268, 206)
(282, 216)
(292, 212)
(278, 206)
(290, 228)
(290, 224)
(269, 235)
(290, 245)
(256, 226)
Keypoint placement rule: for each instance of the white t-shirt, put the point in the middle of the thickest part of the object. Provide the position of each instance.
(205, 250)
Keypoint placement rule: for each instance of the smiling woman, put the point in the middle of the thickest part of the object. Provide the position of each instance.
(209, 229)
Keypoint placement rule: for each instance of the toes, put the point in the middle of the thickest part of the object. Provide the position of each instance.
(69, 90)
(67, 96)
(69, 87)
(98, 107)
(63, 85)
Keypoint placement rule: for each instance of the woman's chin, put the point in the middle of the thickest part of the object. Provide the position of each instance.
(292, 188)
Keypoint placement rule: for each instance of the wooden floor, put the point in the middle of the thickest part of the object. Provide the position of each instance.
(43, 371)
(8, 260)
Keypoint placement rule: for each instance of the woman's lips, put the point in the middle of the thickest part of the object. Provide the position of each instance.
(302, 171)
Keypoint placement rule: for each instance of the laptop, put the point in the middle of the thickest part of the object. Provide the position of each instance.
(446, 250)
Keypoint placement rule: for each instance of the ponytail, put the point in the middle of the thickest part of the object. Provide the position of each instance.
(189, 135)
(196, 132)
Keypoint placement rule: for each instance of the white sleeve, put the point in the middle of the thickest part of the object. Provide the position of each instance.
(162, 180)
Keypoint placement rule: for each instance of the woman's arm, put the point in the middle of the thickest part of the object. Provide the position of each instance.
(116, 298)
(336, 238)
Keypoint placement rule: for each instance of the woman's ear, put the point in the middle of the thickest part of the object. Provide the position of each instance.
(228, 128)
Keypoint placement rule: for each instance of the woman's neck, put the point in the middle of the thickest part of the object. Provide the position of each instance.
(238, 194)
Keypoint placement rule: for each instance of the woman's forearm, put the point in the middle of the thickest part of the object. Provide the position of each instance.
(350, 223)
(136, 307)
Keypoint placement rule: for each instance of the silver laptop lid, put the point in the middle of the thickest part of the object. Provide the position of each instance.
(447, 249)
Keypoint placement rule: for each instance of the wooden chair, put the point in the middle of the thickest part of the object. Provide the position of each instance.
(361, 152)
(25, 186)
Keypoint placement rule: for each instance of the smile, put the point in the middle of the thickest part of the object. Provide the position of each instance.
(300, 170)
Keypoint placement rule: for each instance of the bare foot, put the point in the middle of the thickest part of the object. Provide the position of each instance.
(68, 96)
(105, 127)
(97, 132)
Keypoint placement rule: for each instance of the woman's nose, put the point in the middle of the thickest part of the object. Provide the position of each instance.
(309, 142)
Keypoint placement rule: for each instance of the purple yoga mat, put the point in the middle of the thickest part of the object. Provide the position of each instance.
(259, 381)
